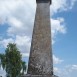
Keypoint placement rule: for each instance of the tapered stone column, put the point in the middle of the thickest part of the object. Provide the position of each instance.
(40, 60)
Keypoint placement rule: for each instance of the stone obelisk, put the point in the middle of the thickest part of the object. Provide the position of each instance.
(40, 60)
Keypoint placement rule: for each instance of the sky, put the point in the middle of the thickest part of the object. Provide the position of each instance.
(16, 25)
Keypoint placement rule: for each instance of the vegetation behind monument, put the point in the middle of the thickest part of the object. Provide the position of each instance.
(12, 62)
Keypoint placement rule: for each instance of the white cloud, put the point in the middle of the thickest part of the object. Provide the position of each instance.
(74, 67)
(56, 60)
(58, 5)
(62, 5)
(57, 26)
(2, 73)
(55, 69)
(22, 13)
(25, 55)
(23, 43)
(66, 71)
(72, 4)
(18, 13)
(15, 23)
(5, 42)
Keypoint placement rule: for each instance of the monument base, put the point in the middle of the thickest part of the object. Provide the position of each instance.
(39, 76)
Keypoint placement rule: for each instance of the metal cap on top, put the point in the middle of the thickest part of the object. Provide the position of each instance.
(43, 1)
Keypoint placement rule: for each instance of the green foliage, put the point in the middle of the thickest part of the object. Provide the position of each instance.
(11, 61)
(3, 60)
(23, 67)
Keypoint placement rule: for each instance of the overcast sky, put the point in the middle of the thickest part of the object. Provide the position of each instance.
(16, 25)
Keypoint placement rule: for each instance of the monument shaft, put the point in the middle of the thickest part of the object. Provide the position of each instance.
(40, 60)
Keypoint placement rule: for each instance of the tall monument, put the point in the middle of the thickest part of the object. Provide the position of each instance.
(40, 60)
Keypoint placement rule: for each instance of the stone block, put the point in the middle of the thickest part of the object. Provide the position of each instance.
(39, 76)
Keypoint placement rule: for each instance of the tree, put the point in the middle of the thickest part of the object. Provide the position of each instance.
(12, 62)
(23, 67)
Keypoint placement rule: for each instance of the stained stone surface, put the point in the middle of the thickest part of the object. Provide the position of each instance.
(40, 61)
